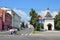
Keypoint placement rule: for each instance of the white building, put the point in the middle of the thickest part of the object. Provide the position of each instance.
(16, 19)
(48, 22)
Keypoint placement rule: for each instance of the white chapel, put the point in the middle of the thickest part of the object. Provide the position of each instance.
(48, 21)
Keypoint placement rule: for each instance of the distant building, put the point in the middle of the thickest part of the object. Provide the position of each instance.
(9, 19)
(16, 20)
(48, 22)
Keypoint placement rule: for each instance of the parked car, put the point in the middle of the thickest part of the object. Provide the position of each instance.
(13, 31)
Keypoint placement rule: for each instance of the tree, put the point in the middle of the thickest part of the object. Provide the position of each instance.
(34, 19)
(22, 25)
(57, 21)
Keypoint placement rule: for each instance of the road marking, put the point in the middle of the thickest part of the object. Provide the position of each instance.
(29, 34)
(21, 34)
(26, 34)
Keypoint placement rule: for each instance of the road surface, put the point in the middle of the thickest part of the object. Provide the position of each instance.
(30, 37)
(25, 35)
(27, 31)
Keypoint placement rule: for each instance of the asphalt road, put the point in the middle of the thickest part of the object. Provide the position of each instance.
(26, 35)
(30, 37)
(27, 31)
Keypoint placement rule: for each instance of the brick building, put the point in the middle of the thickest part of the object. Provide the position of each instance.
(11, 19)
(5, 20)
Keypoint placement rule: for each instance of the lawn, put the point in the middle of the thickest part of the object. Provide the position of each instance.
(36, 32)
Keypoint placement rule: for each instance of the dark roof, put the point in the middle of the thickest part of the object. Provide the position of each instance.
(48, 15)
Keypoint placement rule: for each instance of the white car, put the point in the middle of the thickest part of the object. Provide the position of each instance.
(11, 30)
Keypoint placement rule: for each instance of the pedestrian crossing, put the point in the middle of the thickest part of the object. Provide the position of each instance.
(25, 34)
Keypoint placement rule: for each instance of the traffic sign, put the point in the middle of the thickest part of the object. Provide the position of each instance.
(40, 21)
(39, 17)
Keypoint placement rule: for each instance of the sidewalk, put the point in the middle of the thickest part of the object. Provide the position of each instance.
(48, 33)
(5, 33)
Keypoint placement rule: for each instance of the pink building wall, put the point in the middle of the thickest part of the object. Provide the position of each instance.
(5, 20)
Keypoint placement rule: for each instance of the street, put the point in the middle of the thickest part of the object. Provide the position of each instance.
(29, 37)
(27, 31)
(26, 35)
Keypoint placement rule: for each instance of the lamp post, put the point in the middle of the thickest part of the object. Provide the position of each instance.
(40, 20)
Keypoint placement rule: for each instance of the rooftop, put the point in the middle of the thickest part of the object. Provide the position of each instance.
(48, 15)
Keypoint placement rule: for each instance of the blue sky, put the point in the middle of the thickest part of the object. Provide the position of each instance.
(26, 5)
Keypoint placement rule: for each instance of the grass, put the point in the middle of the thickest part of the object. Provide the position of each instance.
(36, 32)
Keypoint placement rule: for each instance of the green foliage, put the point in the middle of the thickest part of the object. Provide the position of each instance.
(57, 21)
(42, 26)
(22, 25)
(34, 20)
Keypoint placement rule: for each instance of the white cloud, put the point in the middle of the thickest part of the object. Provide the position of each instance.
(54, 14)
(43, 13)
(26, 17)
(21, 13)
